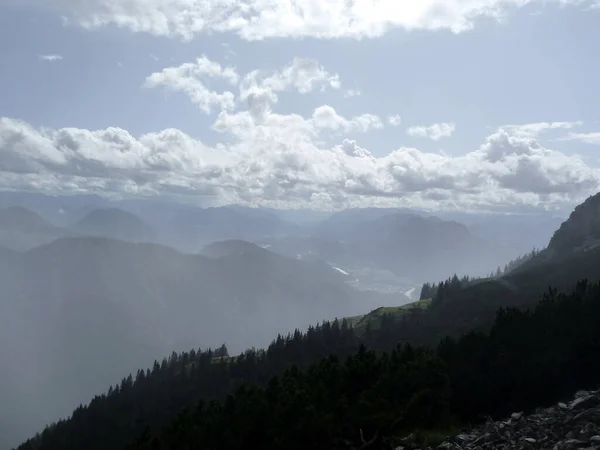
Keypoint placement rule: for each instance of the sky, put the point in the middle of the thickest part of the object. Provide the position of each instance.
(436, 104)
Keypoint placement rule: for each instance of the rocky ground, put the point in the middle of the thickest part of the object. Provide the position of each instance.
(571, 426)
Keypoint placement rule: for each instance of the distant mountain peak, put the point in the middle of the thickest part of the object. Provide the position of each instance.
(115, 223)
(581, 231)
(21, 218)
(112, 212)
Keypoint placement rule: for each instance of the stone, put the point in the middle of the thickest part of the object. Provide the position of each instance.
(584, 402)
(516, 416)
(566, 426)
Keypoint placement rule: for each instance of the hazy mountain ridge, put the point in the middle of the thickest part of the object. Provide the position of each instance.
(354, 238)
(115, 223)
(408, 244)
(21, 229)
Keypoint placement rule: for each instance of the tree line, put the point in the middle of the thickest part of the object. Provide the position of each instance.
(456, 284)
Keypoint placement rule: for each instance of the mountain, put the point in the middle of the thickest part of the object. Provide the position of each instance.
(21, 229)
(411, 246)
(116, 224)
(580, 232)
(81, 311)
(497, 237)
(346, 221)
(61, 210)
(417, 246)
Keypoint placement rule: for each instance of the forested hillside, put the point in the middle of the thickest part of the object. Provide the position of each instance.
(79, 313)
(297, 395)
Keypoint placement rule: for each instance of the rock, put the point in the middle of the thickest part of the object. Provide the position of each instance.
(516, 416)
(464, 437)
(566, 426)
(409, 439)
(584, 402)
(574, 443)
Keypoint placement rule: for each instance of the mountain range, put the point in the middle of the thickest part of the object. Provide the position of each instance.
(99, 287)
(244, 283)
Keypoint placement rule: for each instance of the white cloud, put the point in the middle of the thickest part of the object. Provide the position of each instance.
(434, 132)
(259, 19)
(533, 130)
(302, 74)
(395, 120)
(352, 93)
(190, 78)
(325, 117)
(588, 138)
(50, 58)
(281, 161)
(257, 89)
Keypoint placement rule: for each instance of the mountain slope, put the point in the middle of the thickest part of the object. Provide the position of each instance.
(82, 311)
(21, 229)
(580, 232)
(411, 246)
(296, 395)
(116, 224)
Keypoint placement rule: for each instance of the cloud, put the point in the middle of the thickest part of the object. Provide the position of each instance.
(50, 58)
(259, 19)
(352, 93)
(521, 164)
(302, 74)
(587, 138)
(434, 132)
(257, 89)
(281, 161)
(190, 78)
(533, 130)
(395, 120)
(325, 117)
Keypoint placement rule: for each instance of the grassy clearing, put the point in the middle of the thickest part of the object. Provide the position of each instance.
(359, 323)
